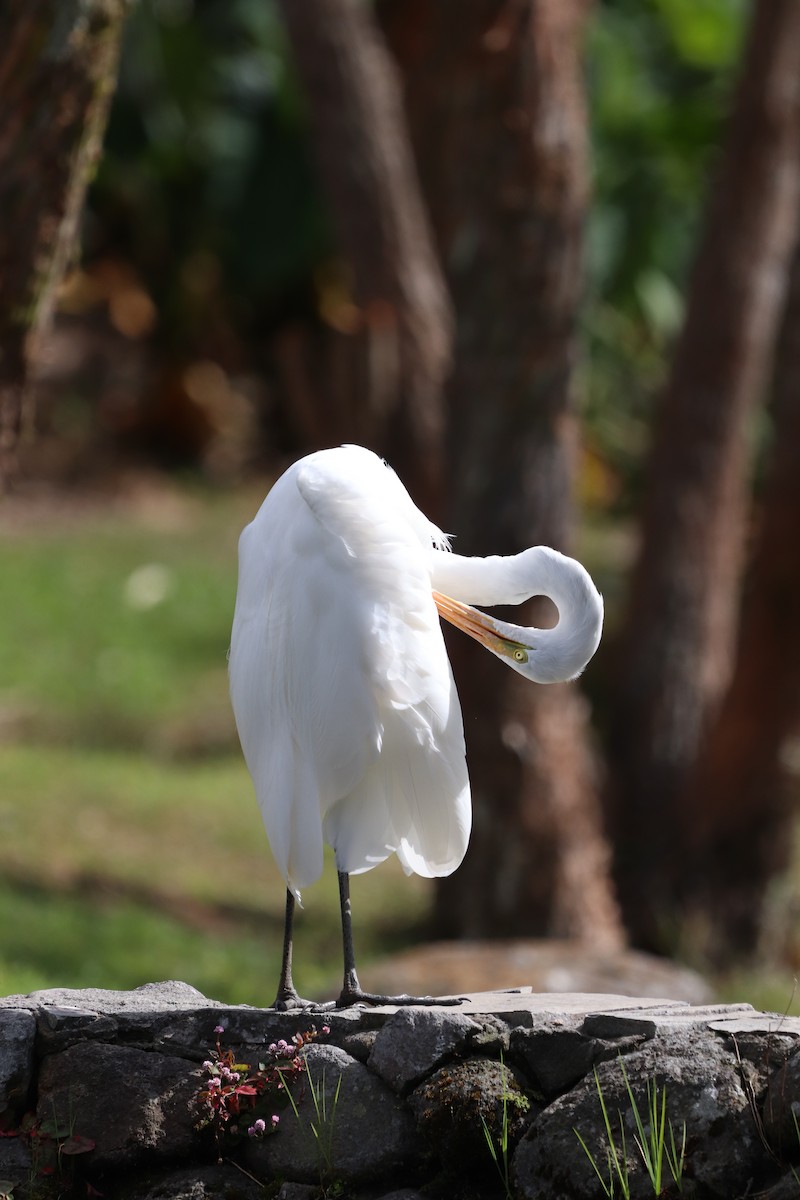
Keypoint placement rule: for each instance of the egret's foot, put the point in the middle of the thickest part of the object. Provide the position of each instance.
(287, 1000)
(350, 996)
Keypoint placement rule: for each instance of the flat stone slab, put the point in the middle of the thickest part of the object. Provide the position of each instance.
(520, 1006)
(169, 995)
(176, 1018)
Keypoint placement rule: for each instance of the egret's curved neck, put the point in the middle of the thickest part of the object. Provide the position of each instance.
(504, 579)
(557, 654)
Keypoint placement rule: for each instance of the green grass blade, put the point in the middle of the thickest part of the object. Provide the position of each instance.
(676, 1158)
(500, 1155)
(607, 1186)
(617, 1163)
(649, 1140)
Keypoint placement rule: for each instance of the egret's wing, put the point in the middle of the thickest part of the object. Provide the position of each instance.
(303, 707)
(415, 797)
(425, 777)
(262, 693)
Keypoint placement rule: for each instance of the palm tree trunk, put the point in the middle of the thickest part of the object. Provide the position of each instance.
(495, 99)
(741, 807)
(677, 651)
(399, 341)
(58, 65)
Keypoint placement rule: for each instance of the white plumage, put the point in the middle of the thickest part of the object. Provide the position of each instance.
(342, 690)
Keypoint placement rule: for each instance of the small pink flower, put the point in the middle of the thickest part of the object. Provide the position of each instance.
(219, 1029)
(326, 1028)
(275, 1119)
(257, 1128)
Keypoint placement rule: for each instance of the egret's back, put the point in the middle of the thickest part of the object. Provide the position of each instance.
(341, 687)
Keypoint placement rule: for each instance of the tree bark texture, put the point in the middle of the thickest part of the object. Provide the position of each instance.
(495, 100)
(58, 63)
(741, 807)
(678, 647)
(400, 337)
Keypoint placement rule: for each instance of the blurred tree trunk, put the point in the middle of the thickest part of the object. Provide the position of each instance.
(399, 338)
(58, 64)
(741, 809)
(495, 100)
(677, 651)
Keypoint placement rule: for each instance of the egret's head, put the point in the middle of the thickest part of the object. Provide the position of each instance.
(542, 655)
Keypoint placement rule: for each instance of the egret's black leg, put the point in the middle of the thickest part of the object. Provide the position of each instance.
(352, 992)
(287, 997)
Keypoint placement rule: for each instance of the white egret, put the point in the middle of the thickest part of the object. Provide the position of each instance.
(341, 686)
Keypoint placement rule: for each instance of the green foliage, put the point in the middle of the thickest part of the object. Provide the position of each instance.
(657, 107)
(660, 76)
(705, 33)
(208, 185)
(207, 181)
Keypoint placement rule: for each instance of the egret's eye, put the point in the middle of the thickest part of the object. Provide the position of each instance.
(520, 656)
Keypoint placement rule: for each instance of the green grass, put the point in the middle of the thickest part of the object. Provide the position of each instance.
(499, 1153)
(101, 648)
(131, 847)
(661, 1152)
(120, 869)
(772, 989)
(323, 1125)
(53, 940)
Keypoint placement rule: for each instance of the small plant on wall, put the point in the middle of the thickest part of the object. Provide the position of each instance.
(55, 1145)
(661, 1150)
(239, 1100)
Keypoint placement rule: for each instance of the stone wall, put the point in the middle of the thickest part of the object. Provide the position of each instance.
(100, 1092)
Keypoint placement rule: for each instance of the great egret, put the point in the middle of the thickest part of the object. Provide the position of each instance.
(342, 691)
